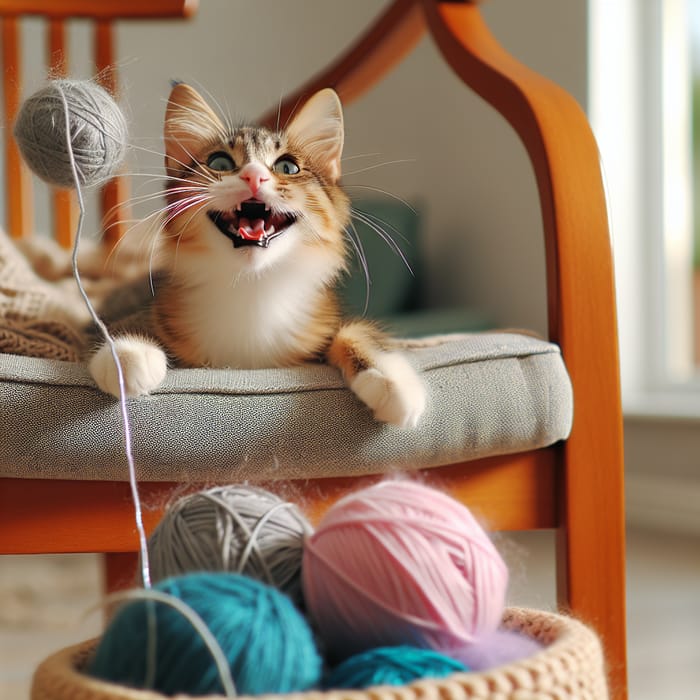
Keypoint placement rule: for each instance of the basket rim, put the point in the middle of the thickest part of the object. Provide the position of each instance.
(570, 647)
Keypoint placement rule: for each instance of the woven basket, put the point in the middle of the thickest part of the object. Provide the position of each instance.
(570, 666)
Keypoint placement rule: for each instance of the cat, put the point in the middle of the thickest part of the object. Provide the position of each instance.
(253, 244)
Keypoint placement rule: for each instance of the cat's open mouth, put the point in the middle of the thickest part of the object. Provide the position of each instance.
(251, 223)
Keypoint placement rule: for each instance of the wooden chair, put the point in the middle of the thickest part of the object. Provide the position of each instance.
(575, 486)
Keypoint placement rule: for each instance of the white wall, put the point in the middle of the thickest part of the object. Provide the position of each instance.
(483, 243)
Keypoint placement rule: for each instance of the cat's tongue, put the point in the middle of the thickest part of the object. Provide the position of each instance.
(253, 230)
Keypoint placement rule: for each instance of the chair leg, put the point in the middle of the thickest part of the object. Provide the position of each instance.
(591, 550)
(120, 570)
(383, 46)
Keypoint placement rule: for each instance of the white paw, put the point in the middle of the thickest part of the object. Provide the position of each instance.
(143, 365)
(393, 391)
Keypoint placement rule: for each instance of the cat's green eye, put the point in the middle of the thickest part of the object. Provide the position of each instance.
(221, 162)
(286, 166)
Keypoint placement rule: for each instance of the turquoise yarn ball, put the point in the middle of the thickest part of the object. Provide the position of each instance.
(390, 666)
(267, 643)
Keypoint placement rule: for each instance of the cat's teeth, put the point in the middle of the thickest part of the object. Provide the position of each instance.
(251, 230)
(270, 231)
(238, 207)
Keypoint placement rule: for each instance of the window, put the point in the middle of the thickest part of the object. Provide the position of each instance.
(642, 76)
(694, 37)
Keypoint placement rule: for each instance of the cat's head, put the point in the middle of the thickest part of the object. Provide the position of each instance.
(254, 195)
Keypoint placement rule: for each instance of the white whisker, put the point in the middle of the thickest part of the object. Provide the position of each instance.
(291, 114)
(279, 112)
(188, 204)
(360, 155)
(151, 196)
(186, 166)
(388, 194)
(356, 242)
(179, 238)
(379, 165)
(224, 115)
(383, 235)
(381, 222)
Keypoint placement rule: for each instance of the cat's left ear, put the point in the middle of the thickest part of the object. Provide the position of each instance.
(318, 130)
(190, 124)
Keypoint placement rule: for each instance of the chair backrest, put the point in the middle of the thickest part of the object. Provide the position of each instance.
(103, 13)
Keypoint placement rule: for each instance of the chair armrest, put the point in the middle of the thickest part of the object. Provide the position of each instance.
(581, 300)
(565, 159)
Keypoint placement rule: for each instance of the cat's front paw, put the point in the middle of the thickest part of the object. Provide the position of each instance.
(143, 365)
(392, 390)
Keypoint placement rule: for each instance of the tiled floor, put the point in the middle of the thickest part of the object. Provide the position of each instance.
(42, 604)
(663, 617)
(43, 601)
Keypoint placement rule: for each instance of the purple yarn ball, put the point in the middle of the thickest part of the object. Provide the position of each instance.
(497, 648)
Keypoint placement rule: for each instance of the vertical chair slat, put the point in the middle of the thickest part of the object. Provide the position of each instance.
(18, 182)
(115, 192)
(65, 212)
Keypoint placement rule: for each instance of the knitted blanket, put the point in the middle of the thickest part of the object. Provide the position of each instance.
(41, 311)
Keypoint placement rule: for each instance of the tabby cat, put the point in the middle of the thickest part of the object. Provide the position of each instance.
(253, 244)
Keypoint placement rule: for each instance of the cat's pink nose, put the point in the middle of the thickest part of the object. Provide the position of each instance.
(254, 174)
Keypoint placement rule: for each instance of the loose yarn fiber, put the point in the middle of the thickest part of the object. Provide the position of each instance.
(401, 563)
(241, 529)
(390, 666)
(267, 643)
(97, 128)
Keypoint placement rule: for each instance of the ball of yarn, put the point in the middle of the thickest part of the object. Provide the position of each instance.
(96, 125)
(401, 563)
(391, 666)
(241, 529)
(497, 649)
(267, 643)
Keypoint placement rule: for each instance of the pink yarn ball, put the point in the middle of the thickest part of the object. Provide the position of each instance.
(402, 563)
(497, 648)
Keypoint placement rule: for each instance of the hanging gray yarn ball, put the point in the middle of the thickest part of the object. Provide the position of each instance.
(98, 132)
(239, 529)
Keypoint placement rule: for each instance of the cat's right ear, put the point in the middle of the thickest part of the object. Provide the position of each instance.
(190, 124)
(318, 129)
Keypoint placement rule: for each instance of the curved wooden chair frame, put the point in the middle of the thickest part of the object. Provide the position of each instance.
(575, 487)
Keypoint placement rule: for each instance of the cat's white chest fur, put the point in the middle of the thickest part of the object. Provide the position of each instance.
(246, 320)
(254, 321)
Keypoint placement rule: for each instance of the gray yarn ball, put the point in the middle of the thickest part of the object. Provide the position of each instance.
(241, 529)
(98, 132)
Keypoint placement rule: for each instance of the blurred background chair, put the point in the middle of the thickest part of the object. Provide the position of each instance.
(63, 486)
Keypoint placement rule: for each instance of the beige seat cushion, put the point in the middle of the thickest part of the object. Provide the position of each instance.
(489, 394)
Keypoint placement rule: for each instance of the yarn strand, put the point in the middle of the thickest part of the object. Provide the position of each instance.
(195, 620)
(145, 567)
(253, 546)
